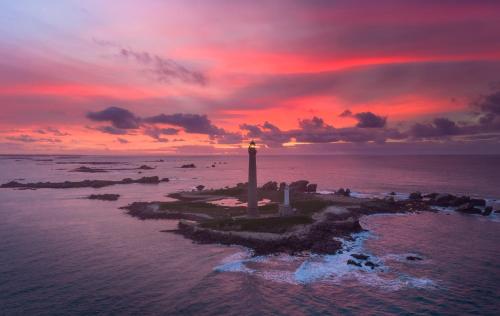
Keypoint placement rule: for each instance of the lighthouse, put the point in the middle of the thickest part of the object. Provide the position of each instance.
(252, 209)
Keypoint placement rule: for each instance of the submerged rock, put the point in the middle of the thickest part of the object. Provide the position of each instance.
(189, 165)
(354, 263)
(200, 187)
(413, 258)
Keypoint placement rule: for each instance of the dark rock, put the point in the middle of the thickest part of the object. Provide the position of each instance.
(371, 264)
(88, 169)
(270, 186)
(325, 246)
(468, 208)
(413, 258)
(145, 167)
(299, 186)
(431, 196)
(487, 211)
(104, 197)
(416, 196)
(354, 263)
(149, 180)
(392, 193)
(343, 192)
(291, 244)
(360, 256)
(190, 165)
(282, 187)
(311, 187)
(165, 180)
(200, 187)
(460, 201)
(443, 200)
(213, 166)
(478, 202)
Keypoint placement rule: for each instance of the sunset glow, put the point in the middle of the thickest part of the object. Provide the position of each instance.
(206, 77)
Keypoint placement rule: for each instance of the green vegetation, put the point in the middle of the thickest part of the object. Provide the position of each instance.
(277, 225)
(310, 206)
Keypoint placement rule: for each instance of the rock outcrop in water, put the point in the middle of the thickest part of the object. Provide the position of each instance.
(79, 184)
(89, 170)
(104, 197)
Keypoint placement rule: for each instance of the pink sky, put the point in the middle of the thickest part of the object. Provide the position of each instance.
(173, 77)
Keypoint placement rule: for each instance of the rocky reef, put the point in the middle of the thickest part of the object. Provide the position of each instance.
(81, 184)
(462, 204)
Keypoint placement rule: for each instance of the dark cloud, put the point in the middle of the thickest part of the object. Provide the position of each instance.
(111, 130)
(51, 130)
(486, 125)
(157, 133)
(346, 113)
(122, 140)
(119, 117)
(191, 123)
(29, 139)
(123, 121)
(315, 130)
(370, 120)
(165, 69)
(440, 127)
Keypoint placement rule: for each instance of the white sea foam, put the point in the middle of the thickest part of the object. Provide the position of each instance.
(328, 268)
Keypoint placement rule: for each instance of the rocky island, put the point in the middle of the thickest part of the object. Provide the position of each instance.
(315, 224)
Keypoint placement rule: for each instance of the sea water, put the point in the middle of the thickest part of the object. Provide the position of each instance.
(62, 254)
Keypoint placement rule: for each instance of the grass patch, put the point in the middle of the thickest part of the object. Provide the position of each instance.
(310, 206)
(278, 225)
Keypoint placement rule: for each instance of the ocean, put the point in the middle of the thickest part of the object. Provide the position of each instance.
(62, 254)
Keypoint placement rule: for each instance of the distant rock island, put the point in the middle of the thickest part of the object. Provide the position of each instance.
(81, 184)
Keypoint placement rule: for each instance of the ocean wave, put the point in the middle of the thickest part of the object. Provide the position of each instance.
(332, 269)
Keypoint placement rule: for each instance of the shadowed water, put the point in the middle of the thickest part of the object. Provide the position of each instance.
(62, 254)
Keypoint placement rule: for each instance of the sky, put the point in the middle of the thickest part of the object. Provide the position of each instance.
(206, 77)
